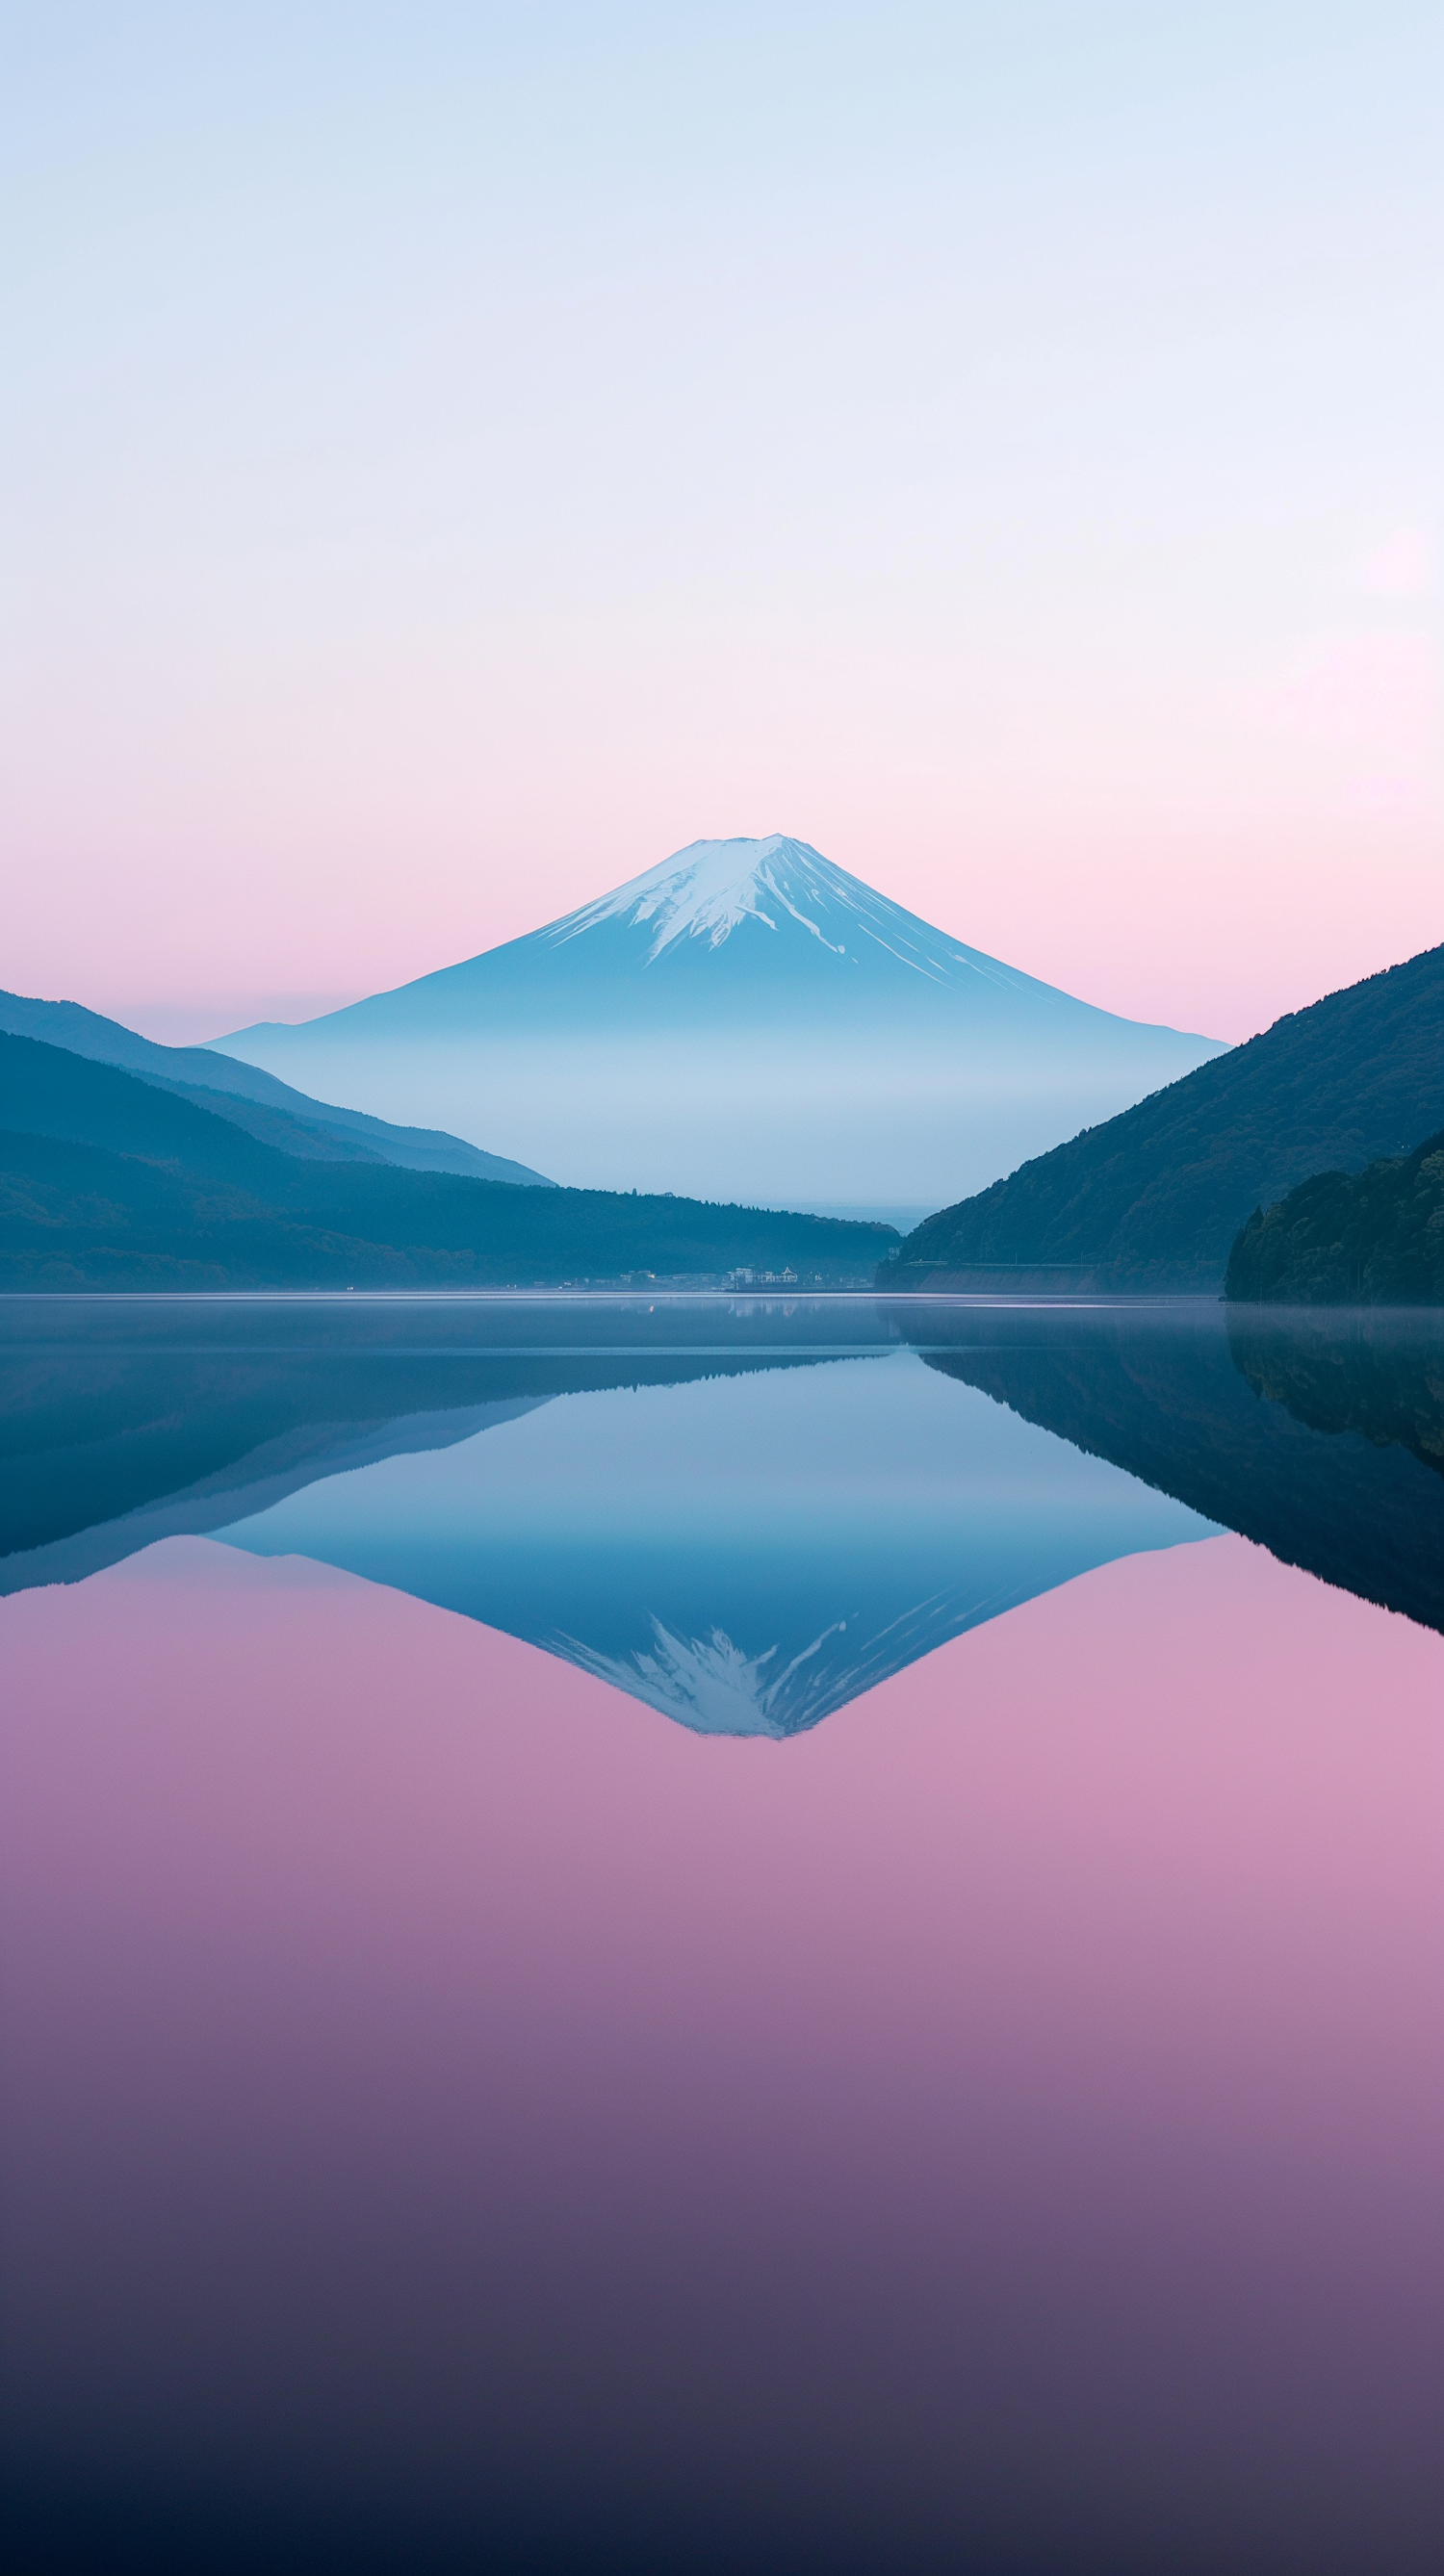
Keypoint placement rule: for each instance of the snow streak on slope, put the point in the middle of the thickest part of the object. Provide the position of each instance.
(707, 891)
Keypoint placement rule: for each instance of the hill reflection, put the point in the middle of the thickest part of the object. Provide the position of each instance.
(1318, 1434)
(743, 1512)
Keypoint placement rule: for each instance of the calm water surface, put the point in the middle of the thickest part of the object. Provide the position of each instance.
(721, 1934)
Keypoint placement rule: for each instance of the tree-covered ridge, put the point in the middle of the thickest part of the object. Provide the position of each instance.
(1154, 1197)
(1365, 1239)
(108, 1182)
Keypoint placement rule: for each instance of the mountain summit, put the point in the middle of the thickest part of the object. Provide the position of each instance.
(714, 888)
(744, 1021)
(709, 890)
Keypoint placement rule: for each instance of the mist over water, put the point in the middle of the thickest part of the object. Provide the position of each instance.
(969, 2093)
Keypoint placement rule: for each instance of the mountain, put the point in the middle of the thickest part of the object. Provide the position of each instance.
(1372, 1239)
(744, 1020)
(254, 1100)
(1154, 1198)
(107, 1181)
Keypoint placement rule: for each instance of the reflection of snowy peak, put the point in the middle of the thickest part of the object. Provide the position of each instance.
(716, 1688)
(851, 1517)
(713, 1687)
(712, 888)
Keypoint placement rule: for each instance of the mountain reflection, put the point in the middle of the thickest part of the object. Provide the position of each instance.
(746, 1552)
(744, 1512)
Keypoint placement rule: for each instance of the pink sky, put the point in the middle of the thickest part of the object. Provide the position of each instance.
(456, 467)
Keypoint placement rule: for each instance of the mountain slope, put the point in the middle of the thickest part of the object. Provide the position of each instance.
(1338, 1240)
(107, 1181)
(745, 1018)
(266, 1108)
(1154, 1198)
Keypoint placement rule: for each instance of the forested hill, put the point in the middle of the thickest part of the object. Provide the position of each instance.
(108, 1182)
(1155, 1197)
(1365, 1239)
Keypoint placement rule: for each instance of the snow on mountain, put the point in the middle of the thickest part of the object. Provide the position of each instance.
(712, 888)
(744, 1021)
(706, 890)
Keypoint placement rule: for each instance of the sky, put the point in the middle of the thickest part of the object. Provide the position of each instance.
(455, 455)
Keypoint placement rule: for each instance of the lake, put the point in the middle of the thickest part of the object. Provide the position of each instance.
(743, 1933)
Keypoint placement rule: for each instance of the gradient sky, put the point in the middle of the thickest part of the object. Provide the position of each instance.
(454, 455)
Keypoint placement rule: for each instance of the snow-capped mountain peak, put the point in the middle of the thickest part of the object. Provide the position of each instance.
(707, 890)
(746, 1021)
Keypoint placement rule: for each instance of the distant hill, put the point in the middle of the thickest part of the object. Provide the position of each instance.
(1368, 1239)
(266, 1108)
(107, 1181)
(1154, 1198)
(746, 1019)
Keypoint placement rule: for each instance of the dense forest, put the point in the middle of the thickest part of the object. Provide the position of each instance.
(1368, 1238)
(109, 1182)
(1154, 1197)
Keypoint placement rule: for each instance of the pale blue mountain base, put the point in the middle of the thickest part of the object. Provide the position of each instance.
(746, 1554)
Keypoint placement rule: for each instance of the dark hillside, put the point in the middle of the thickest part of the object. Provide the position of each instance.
(257, 1101)
(1155, 1197)
(45, 1091)
(1370, 1239)
(107, 1182)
